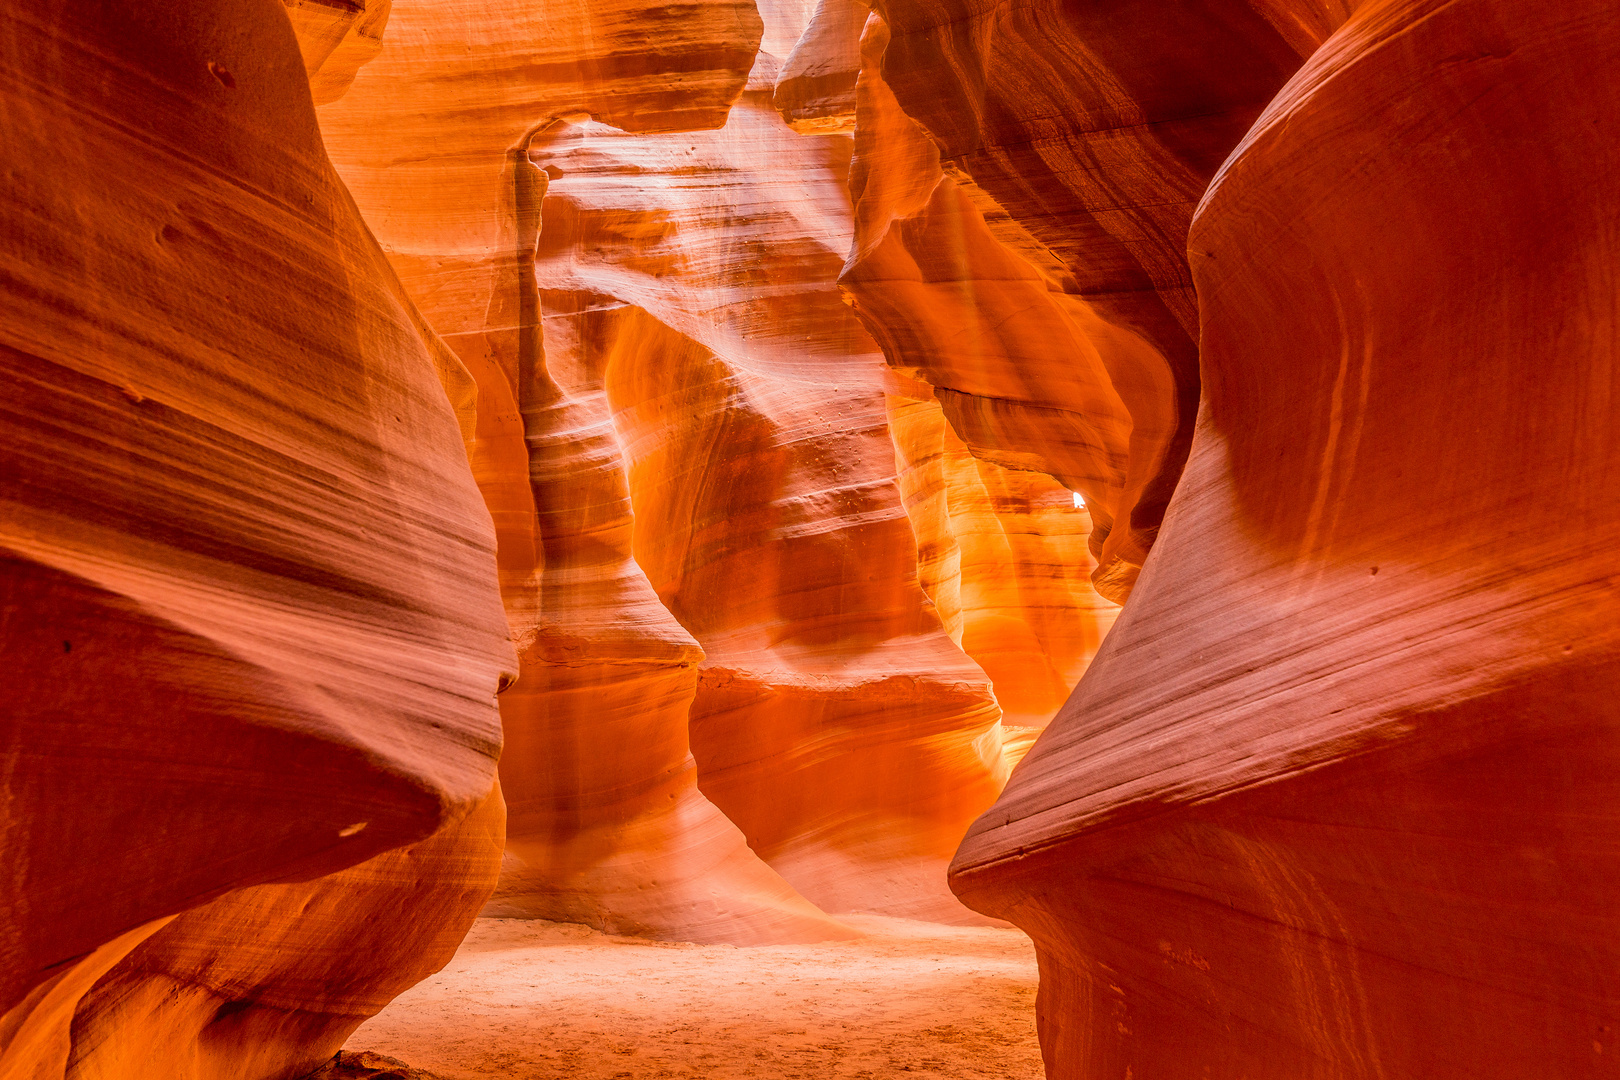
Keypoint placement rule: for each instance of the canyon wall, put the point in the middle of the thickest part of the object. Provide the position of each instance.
(249, 624)
(735, 692)
(691, 280)
(607, 825)
(1047, 211)
(1003, 555)
(1336, 797)
(798, 388)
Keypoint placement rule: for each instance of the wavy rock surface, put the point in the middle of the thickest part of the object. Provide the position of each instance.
(815, 90)
(336, 38)
(1028, 375)
(611, 830)
(694, 275)
(1002, 554)
(1080, 137)
(249, 629)
(606, 824)
(270, 981)
(1359, 821)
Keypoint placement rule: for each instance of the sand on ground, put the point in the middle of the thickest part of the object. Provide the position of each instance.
(530, 1000)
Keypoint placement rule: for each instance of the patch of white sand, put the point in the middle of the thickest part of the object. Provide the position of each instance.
(531, 1000)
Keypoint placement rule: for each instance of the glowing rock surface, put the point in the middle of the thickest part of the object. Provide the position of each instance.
(606, 824)
(689, 280)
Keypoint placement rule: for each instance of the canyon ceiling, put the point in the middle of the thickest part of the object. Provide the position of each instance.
(1143, 470)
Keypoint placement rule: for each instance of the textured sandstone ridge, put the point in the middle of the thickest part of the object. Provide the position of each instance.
(1028, 374)
(269, 981)
(815, 90)
(1081, 136)
(335, 38)
(688, 283)
(607, 826)
(1359, 820)
(611, 829)
(1002, 554)
(250, 631)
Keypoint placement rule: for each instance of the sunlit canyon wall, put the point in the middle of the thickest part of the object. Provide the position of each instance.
(249, 631)
(270, 485)
(741, 704)
(717, 382)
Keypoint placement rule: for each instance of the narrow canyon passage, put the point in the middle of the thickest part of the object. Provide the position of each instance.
(536, 1001)
(809, 539)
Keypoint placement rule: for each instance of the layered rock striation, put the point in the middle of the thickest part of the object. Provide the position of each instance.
(607, 825)
(1028, 376)
(1335, 799)
(1077, 140)
(250, 630)
(690, 281)
(1002, 553)
(686, 634)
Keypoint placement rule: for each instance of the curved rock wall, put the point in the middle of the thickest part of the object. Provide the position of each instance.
(1358, 823)
(779, 434)
(1028, 375)
(606, 823)
(249, 628)
(1083, 136)
(1002, 554)
(336, 39)
(693, 278)
(612, 830)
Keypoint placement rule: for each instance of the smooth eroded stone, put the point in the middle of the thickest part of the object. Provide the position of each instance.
(607, 825)
(1337, 797)
(247, 611)
(693, 278)
(1083, 134)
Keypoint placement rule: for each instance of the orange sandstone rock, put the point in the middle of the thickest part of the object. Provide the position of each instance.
(336, 38)
(1027, 372)
(1002, 554)
(693, 276)
(610, 829)
(606, 823)
(1337, 797)
(815, 91)
(269, 981)
(1083, 135)
(249, 627)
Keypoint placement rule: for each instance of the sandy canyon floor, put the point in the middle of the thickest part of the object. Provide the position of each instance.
(533, 1000)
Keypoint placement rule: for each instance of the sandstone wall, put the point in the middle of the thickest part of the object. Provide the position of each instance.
(1002, 554)
(1079, 136)
(1335, 799)
(691, 280)
(250, 633)
(607, 825)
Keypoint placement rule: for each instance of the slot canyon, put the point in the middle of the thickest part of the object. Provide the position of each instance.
(810, 539)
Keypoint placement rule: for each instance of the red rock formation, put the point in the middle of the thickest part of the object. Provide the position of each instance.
(1002, 554)
(249, 628)
(1027, 373)
(612, 831)
(1031, 382)
(606, 823)
(1082, 136)
(270, 981)
(336, 38)
(1336, 798)
(815, 90)
(692, 278)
